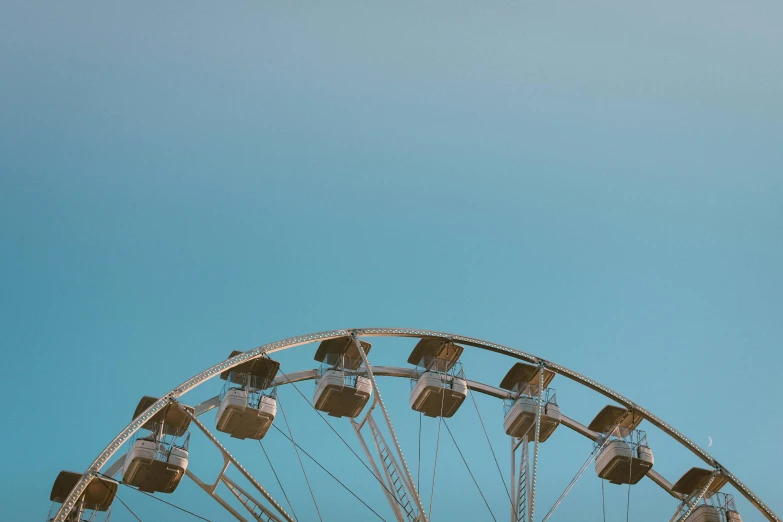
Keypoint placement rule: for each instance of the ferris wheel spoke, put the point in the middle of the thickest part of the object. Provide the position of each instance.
(116, 467)
(435, 465)
(691, 500)
(464, 461)
(663, 483)
(250, 503)
(236, 463)
(513, 480)
(388, 487)
(299, 458)
(520, 481)
(408, 478)
(209, 489)
(207, 405)
(489, 443)
(687, 505)
(340, 482)
(539, 409)
(277, 478)
(596, 451)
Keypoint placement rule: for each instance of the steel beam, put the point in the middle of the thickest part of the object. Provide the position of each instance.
(408, 476)
(102, 459)
(211, 492)
(237, 464)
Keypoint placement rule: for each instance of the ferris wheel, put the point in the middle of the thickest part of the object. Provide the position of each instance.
(152, 454)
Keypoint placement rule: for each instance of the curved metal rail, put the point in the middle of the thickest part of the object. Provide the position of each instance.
(102, 459)
(410, 373)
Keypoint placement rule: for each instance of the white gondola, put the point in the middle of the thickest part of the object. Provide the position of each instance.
(97, 496)
(436, 393)
(626, 458)
(696, 479)
(733, 516)
(158, 460)
(341, 390)
(440, 387)
(713, 506)
(704, 513)
(623, 462)
(520, 418)
(246, 411)
(718, 507)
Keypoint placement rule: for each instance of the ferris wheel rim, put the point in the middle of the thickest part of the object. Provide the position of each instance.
(284, 344)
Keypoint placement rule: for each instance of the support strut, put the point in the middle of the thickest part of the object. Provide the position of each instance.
(236, 463)
(409, 478)
(535, 441)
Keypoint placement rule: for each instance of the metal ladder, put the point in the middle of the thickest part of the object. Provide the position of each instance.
(391, 470)
(522, 508)
(258, 513)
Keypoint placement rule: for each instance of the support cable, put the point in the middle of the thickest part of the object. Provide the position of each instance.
(117, 497)
(292, 383)
(418, 465)
(129, 509)
(278, 480)
(329, 473)
(153, 496)
(301, 464)
(172, 505)
(581, 471)
(691, 505)
(630, 476)
(384, 486)
(475, 404)
(437, 449)
(469, 472)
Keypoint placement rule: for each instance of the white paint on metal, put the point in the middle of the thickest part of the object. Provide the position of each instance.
(114, 446)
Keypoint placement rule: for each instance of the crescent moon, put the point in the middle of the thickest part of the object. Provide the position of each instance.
(710, 444)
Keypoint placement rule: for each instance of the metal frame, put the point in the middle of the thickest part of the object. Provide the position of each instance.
(114, 446)
(229, 458)
(520, 482)
(388, 487)
(209, 489)
(539, 411)
(407, 478)
(498, 393)
(596, 452)
(689, 503)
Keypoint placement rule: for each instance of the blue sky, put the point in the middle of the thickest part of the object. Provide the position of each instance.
(599, 184)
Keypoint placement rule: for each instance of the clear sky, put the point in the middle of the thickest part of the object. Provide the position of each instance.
(598, 183)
